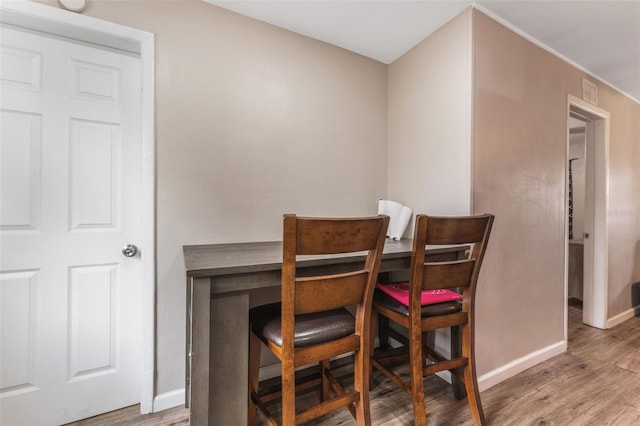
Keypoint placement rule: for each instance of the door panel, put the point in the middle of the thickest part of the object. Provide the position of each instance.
(95, 153)
(92, 303)
(71, 182)
(18, 298)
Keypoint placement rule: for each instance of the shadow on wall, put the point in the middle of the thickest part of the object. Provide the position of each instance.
(635, 287)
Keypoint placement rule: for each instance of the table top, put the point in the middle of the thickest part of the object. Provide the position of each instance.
(236, 258)
(209, 260)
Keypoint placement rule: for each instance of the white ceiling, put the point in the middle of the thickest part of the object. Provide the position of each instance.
(599, 36)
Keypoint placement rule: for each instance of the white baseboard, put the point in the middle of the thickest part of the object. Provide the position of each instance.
(500, 374)
(270, 371)
(168, 400)
(620, 318)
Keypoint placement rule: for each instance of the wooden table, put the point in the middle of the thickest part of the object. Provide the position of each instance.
(220, 278)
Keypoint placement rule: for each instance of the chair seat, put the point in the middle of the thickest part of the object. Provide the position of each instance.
(432, 310)
(310, 329)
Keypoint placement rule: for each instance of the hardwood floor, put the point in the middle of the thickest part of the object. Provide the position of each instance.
(596, 382)
(177, 416)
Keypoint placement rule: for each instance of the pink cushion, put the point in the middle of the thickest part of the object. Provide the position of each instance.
(400, 292)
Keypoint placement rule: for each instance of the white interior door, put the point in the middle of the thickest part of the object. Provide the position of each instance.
(589, 304)
(70, 161)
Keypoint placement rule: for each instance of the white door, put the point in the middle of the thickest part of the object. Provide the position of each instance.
(590, 305)
(70, 174)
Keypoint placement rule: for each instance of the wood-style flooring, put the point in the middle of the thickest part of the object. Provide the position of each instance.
(596, 382)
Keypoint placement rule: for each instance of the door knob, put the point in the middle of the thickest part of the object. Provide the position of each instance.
(130, 250)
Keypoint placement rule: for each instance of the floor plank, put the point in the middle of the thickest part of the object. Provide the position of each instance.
(596, 382)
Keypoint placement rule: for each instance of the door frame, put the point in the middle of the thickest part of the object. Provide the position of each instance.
(58, 22)
(595, 291)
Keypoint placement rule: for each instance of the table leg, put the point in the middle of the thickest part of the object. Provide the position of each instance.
(229, 360)
(199, 296)
(219, 356)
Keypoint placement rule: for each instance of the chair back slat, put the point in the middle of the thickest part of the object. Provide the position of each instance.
(456, 230)
(330, 236)
(448, 274)
(316, 294)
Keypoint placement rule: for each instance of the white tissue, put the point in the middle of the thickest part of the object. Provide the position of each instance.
(399, 217)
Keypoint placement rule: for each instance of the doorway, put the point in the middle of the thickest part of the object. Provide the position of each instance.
(586, 221)
(80, 30)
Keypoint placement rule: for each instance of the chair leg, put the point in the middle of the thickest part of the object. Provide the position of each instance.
(470, 378)
(417, 384)
(459, 391)
(372, 338)
(324, 366)
(383, 331)
(361, 382)
(288, 393)
(428, 340)
(254, 370)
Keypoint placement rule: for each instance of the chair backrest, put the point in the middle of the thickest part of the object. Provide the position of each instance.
(326, 236)
(459, 273)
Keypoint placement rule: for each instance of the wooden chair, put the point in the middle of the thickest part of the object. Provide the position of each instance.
(311, 324)
(419, 319)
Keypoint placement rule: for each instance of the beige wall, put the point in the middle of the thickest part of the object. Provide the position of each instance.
(430, 123)
(252, 122)
(623, 218)
(520, 141)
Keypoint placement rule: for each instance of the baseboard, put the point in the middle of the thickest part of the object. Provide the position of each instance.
(620, 318)
(168, 400)
(500, 374)
(270, 371)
